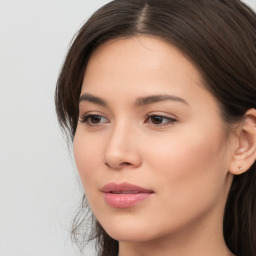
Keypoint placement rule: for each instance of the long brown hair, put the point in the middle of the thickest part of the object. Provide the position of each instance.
(219, 37)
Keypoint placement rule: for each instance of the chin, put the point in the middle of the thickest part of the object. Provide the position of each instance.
(130, 230)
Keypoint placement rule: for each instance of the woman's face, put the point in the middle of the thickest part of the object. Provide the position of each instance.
(150, 146)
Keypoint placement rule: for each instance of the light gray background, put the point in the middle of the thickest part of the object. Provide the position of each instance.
(38, 181)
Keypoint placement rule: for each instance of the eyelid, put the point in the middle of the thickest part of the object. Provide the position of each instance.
(83, 114)
(163, 114)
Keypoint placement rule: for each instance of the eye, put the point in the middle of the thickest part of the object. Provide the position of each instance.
(159, 120)
(93, 120)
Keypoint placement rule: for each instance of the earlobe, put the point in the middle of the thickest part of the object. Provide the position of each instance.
(244, 154)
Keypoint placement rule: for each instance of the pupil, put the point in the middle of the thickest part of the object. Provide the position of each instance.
(95, 119)
(157, 119)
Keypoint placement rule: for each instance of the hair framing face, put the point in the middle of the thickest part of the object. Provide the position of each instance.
(223, 51)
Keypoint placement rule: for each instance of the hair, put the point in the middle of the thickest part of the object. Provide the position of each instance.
(219, 38)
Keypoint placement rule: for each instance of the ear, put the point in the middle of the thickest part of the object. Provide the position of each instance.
(244, 153)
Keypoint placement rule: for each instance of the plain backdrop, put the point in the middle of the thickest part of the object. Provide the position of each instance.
(39, 188)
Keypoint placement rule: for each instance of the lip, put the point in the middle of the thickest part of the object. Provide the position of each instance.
(124, 195)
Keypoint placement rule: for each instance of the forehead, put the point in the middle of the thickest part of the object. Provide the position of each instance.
(138, 62)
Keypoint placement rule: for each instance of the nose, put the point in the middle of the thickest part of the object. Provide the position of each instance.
(122, 149)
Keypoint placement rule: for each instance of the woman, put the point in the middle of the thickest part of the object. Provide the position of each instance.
(159, 97)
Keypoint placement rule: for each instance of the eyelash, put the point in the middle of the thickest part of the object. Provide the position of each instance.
(87, 119)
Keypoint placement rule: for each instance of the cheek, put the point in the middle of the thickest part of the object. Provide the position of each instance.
(190, 164)
(189, 175)
(87, 154)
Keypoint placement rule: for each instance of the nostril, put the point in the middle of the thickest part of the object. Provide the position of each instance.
(117, 166)
(107, 164)
(125, 164)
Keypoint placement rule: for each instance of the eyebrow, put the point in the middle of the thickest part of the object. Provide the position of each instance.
(141, 101)
(92, 99)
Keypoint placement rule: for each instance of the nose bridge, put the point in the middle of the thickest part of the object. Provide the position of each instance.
(119, 134)
(121, 149)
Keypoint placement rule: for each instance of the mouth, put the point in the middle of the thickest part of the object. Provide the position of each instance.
(125, 194)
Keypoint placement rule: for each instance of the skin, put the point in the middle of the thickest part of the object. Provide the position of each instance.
(184, 158)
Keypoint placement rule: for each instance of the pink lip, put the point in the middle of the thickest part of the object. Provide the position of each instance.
(125, 194)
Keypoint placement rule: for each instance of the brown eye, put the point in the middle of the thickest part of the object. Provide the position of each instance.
(93, 120)
(156, 119)
(159, 120)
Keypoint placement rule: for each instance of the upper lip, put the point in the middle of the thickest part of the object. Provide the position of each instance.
(124, 188)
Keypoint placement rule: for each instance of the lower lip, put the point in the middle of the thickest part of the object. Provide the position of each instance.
(125, 200)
